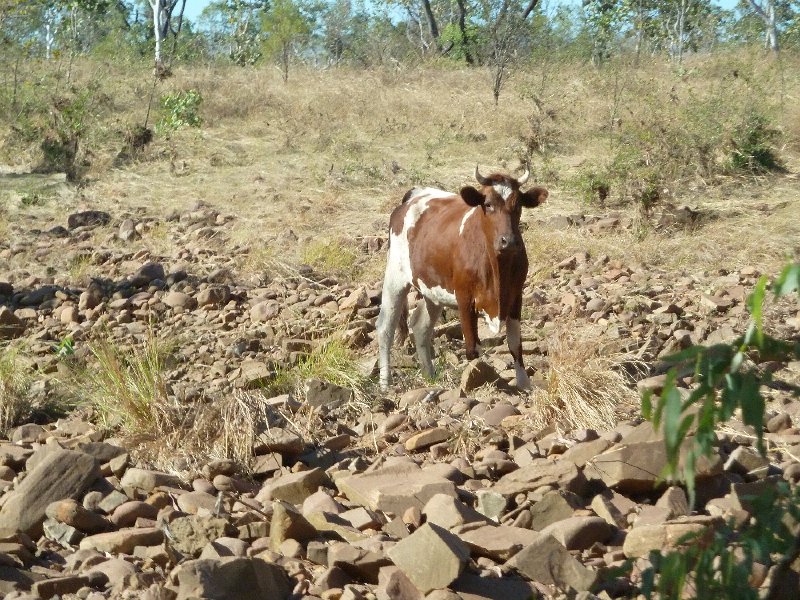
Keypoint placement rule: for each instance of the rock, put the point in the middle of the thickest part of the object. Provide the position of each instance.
(580, 533)
(324, 393)
(124, 540)
(72, 513)
(179, 300)
(288, 523)
(470, 586)
(431, 557)
(294, 487)
(427, 438)
(743, 460)
(10, 325)
(214, 296)
(636, 467)
(675, 501)
(548, 562)
(554, 506)
(540, 472)
(147, 480)
(613, 507)
(358, 562)
(394, 585)
(127, 230)
(59, 586)
(234, 578)
(265, 311)
(498, 542)
(191, 534)
(126, 514)
(395, 487)
(449, 512)
(147, 273)
(27, 434)
(640, 541)
(490, 504)
(88, 218)
(477, 373)
(61, 474)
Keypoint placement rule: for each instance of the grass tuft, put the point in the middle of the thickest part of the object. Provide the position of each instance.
(129, 387)
(583, 389)
(16, 377)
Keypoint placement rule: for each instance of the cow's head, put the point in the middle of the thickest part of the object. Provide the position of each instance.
(502, 203)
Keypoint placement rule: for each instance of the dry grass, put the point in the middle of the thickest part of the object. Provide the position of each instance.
(583, 387)
(128, 386)
(16, 376)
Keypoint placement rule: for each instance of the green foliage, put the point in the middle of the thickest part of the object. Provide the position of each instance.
(753, 145)
(181, 109)
(285, 27)
(720, 568)
(727, 379)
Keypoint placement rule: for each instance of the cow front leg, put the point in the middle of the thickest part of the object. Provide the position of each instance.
(469, 326)
(514, 339)
(426, 315)
(393, 298)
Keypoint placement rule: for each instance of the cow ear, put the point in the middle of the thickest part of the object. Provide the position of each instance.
(472, 196)
(533, 197)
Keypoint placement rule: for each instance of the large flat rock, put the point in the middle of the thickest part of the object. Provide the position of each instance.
(542, 471)
(60, 475)
(395, 487)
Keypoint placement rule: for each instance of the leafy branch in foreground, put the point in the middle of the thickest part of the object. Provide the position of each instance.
(725, 381)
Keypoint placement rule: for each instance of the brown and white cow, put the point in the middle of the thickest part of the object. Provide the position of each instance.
(460, 250)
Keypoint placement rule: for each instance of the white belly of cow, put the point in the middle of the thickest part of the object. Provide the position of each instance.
(437, 295)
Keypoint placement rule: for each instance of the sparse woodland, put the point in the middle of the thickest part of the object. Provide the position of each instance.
(193, 226)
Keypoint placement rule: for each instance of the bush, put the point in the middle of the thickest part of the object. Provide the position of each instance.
(180, 110)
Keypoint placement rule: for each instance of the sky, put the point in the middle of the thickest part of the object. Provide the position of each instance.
(195, 7)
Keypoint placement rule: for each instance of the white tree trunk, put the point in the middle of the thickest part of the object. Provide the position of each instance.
(159, 22)
(767, 13)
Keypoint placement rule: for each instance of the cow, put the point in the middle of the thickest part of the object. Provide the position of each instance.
(460, 250)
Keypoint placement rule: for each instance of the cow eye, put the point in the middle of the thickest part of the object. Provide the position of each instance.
(489, 208)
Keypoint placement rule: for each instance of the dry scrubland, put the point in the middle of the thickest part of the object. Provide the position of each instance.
(274, 212)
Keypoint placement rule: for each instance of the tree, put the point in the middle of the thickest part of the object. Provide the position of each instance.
(162, 19)
(285, 26)
(766, 10)
(236, 24)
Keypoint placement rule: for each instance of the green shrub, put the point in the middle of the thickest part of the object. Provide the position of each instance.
(180, 110)
(753, 145)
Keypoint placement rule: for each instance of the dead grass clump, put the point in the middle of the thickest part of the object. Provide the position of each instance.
(15, 379)
(583, 389)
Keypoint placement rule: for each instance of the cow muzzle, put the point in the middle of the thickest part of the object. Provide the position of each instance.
(506, 243)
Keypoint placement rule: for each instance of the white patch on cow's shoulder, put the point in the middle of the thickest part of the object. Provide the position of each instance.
(493, 323)
(437, 295)
(503, 190)
(464, 220)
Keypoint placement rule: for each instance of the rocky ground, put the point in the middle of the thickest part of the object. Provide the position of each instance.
(444, 491)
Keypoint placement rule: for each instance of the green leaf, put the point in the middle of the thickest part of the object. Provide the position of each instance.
(647, 405)
(789, 281)
(755, 303)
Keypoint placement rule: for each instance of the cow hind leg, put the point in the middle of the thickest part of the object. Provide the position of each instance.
(469, 326)
(514, 338)
(393, 308)
(425, 318)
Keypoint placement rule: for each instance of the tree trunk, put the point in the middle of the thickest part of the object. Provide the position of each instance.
(432, 27)
(462, 27)
(767, 14)
(158, 27)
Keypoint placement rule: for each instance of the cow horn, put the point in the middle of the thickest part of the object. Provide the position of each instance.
(525, 176)
(481, 179)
